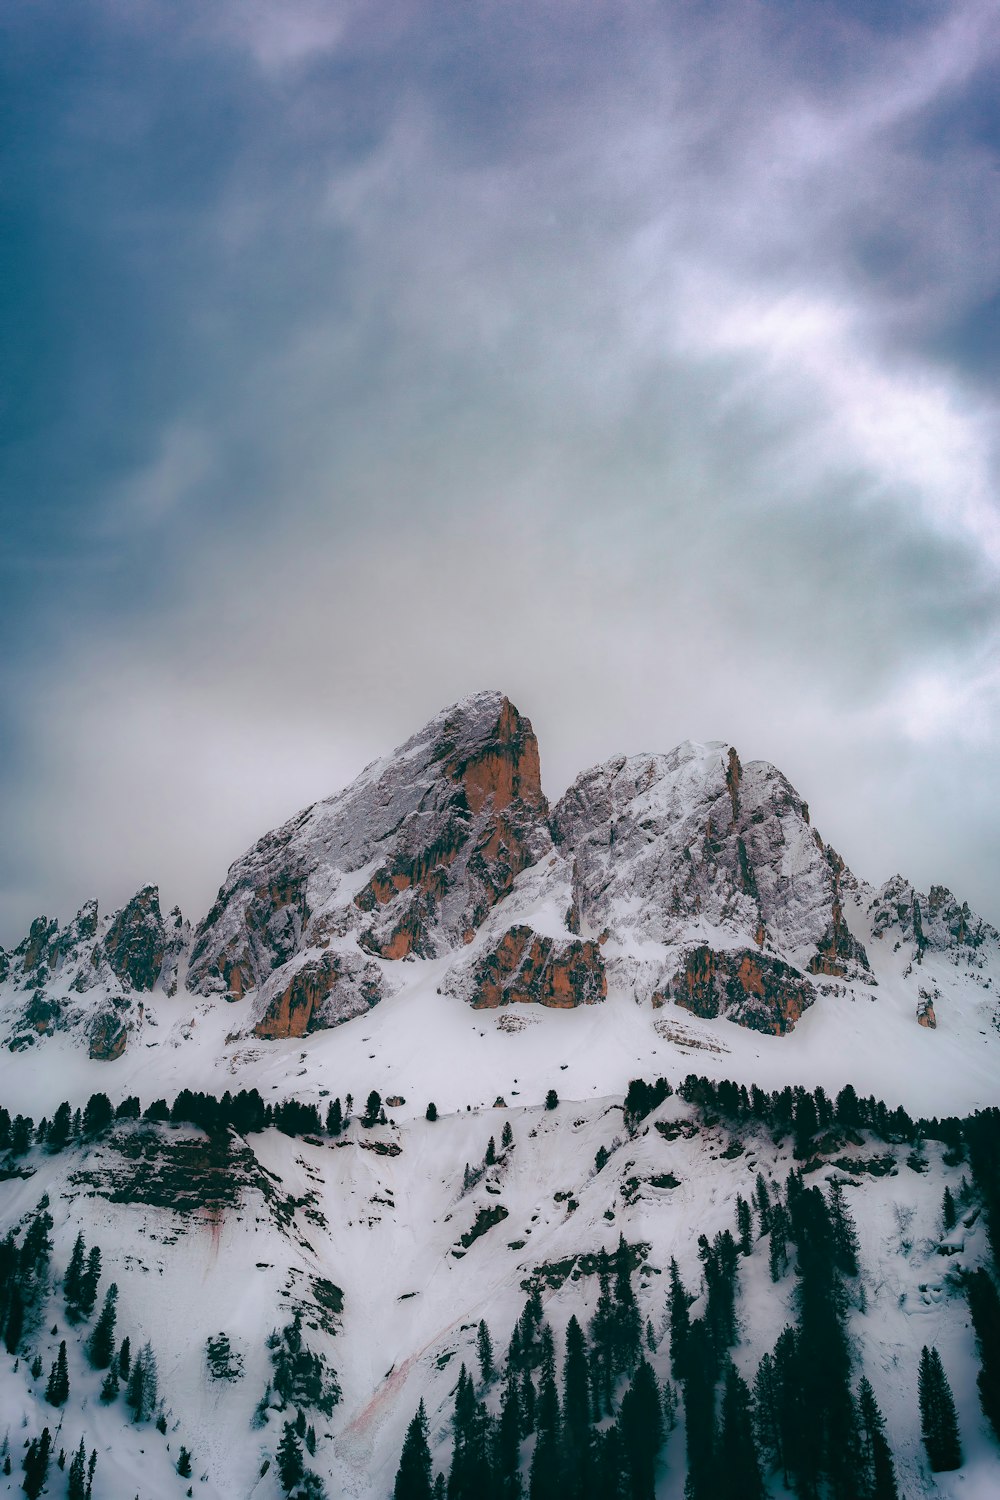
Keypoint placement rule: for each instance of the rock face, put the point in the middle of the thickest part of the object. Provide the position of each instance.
(136, 940)
(87, 974)
(408, 861)
(925, 1012)
(744, 985)
(525, 966)
(321, 992)
(665, 847)
(935, 923)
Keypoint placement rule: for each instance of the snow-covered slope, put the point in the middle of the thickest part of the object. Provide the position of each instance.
(435, 933)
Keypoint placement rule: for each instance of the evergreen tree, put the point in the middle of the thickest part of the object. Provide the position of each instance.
(545, 1461)
(576, 1458)
(744, 1225)
(640, 1424)
(413, 1478)
(36, 1464)
(57, 1390)
(949, 1213)
(89, 1282)
(491, 1153)
(678, 1304)
(938, 1418)
(551, 1099)
(73, 1280)
(778, 1248)
(506, 1137)
(334, 1118)
(700, 1370)
(77, 1486)
(507, 1447)
(110, 1386)
(125, 1357)
(845, 1238)
(984, 1305)
(739, 1476)
(373, 1105)
(878, 1468)
(291, 1466)
(101, 1344)
(184, 1463)
(432, 1112)
(141, 1393)
(627, 1319)
(484, 1348)
(763, 1200)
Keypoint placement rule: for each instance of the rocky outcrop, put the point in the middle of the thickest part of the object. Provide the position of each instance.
(135, 943)
(744, 985)
(925, 1012)
(324, 991)
(108, 1036)
(525, 967)
(936, 923)
(407, 862)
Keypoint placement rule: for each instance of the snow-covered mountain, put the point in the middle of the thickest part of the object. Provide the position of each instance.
(437, 933)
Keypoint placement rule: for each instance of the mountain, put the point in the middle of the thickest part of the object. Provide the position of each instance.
(437, 933)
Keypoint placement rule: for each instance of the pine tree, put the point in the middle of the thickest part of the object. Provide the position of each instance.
(373, 1105)
(551, 1099)
(73, 1280)
(334, 1118)
(507, 1447)
(627, 1319)
(949, 1213)
(744, 1225)
(101, 1344)
(763, 1201)
(576, 1458)
(57, 1390)
(36, 1464)
(184, 1463)
(491, 1153)
(845, 1237)
(678, 1303)
(291, 1466)
(77, 1486)
(125, 1357)
(484, 1348)
(89, 1282)
(545, 1461)
(413, 1478)
(110, 1386)
(507, 1136)
(142, 1394)
(938, 1418)
(432, 1112)
(984, 1305)
(878, 1468)
(739, 1475)
(778, 1248)
(640, 1424)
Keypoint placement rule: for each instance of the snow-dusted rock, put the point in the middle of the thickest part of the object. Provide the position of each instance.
(681, 855)
(409, 860)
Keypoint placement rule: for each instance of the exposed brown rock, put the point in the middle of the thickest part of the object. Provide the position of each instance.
(108, 1036)
(757, 991)
(321, 993)
(525, 967)
(925, 1013)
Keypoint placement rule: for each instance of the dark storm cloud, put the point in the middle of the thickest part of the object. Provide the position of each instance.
(629, 359)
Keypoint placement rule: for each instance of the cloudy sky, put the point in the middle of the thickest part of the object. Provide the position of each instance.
(639, 359)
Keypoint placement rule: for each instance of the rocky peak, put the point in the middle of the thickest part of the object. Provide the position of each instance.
(694, 853)
(935, 922)
(409, 860)
(135, 943)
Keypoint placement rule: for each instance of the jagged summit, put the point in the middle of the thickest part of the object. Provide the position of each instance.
(684, 879)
